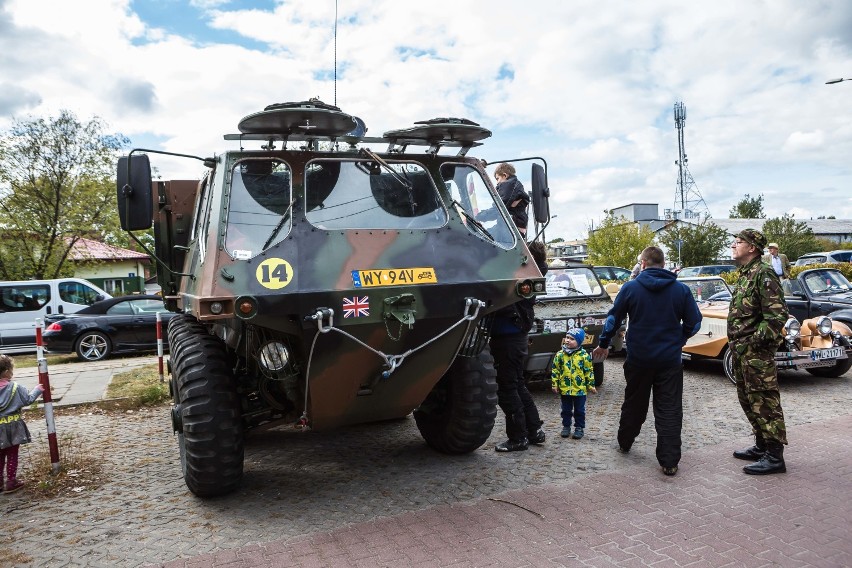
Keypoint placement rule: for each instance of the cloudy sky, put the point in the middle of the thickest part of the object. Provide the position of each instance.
(588, 85)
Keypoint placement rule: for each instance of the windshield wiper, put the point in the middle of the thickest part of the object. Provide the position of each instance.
(464, 213)
(373, 156)
(280, 224)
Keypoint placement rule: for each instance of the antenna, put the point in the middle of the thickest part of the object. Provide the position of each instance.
(688, 201)
(335, 52)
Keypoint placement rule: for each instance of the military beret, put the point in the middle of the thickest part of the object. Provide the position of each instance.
(753, 237)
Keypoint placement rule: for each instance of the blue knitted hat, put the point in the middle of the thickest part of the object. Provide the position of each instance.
(577, 333)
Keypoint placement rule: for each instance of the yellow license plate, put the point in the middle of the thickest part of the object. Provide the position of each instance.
(589, 339)
(393, 277)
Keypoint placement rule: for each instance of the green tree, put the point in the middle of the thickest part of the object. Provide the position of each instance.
(617, 242)
(700, 244)
(794, 238)
(748, 208)
(56, 185)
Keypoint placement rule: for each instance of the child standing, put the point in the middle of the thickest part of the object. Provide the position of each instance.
(572, 375)
(13, 429)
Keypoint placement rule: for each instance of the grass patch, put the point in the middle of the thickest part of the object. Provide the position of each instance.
(79, 469)
(29, 360)
(139, 387)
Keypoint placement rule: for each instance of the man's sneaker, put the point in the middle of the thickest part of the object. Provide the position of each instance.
(512, 445)
(670, 470)
(537, 438)
(578, 433)
(623, 450)
(14, 485)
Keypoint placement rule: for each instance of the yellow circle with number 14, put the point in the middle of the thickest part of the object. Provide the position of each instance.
(274, 273)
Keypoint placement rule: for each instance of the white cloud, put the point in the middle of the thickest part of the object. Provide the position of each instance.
(589, 85)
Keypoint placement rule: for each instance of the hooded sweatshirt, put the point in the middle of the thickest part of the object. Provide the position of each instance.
(663, 316)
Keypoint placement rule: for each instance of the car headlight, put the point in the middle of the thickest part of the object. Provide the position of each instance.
(274, 356)
(792, 328)
(824, 326)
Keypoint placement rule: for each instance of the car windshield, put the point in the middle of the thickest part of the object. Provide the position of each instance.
(707, 289)
(475, 204)
(259, 212)
(568, 282)
(365, 194)
(826, 282)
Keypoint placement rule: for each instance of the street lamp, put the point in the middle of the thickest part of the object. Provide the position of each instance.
(839, 80)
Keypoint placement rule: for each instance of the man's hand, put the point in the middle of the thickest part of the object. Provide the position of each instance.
(599, 354)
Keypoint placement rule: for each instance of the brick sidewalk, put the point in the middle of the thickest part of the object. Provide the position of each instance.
(710, 514)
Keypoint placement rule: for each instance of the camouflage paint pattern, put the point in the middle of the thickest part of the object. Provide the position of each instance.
(345, 383)
(755, 326)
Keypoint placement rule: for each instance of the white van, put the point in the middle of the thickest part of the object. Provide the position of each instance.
(23, 301)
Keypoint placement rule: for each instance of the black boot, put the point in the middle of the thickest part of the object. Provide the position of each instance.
(772, 461)
(753, 453)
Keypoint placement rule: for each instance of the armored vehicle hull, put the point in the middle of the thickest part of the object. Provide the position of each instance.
(321, 286)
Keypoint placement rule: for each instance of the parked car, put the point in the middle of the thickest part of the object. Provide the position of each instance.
(814, 342)
(706, 270)
(824, 257)
(612, 273)
(24, 301)
(119, 325)
(574, 298)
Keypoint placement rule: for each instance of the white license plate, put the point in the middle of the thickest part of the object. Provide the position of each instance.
(824, 354)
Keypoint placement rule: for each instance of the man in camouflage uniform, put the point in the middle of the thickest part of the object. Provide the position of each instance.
(755, 325)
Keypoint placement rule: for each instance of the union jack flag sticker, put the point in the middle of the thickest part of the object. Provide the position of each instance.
(356, 307)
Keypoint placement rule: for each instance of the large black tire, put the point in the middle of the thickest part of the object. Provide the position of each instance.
(458, 415)
(599, 373)
(207, 410)
(93, 346)
(834, 371)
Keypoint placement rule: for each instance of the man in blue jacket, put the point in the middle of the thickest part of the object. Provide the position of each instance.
(662, 316)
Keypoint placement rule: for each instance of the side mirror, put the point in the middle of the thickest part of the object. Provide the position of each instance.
(540, 195)
(134, 193)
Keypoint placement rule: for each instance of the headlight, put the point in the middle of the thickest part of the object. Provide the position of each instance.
(274, 356)
(792, 328)
(824, 326)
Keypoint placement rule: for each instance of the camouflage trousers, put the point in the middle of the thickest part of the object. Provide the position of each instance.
(757, 390)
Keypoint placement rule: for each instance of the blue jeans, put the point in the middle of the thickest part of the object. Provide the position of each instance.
(573, 406)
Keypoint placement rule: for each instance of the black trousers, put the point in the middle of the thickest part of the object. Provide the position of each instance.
(510, 352)
(667, 385)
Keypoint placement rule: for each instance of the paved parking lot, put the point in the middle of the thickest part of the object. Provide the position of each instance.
(306, 484)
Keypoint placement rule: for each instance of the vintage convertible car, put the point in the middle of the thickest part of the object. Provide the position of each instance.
(816, 343)
(574, 298)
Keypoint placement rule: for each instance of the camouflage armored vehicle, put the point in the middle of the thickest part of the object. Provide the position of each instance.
(323, 283)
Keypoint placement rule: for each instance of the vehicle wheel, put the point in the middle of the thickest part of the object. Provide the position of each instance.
(836, 370)
(728, 364)
(93, 346)
(599, 373)
(206, 415)
(458, 415)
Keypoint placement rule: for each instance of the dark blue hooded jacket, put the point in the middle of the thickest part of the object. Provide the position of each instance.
(662, 316)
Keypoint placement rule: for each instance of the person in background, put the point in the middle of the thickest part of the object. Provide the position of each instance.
(509, 345)
(755, 327)
(778, 261)
(571, 376)
(13, 429)
(637, 268)
(663, 315)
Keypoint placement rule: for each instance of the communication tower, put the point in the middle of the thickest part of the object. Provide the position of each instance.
(688, 203)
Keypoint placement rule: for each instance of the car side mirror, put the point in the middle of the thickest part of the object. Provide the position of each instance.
(797, 294)
(540, 194)
(133, 192)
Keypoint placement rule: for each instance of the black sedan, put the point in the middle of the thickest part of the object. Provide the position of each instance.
(819, 292)
(126, 324)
